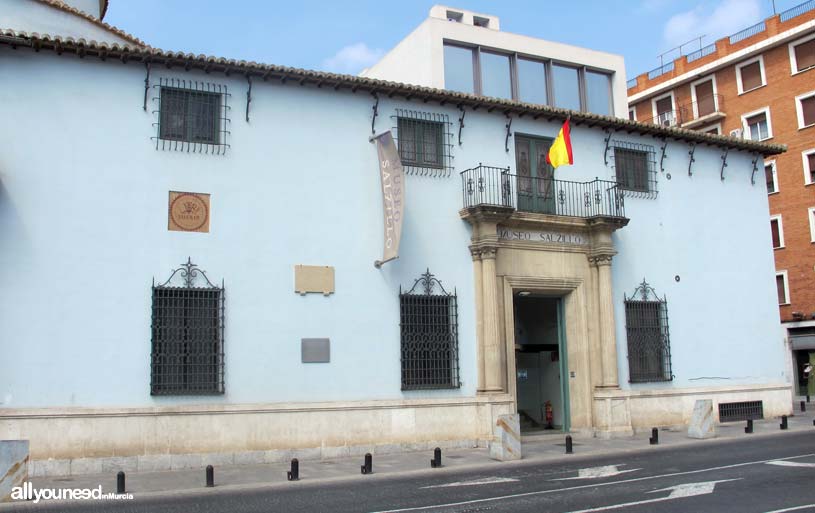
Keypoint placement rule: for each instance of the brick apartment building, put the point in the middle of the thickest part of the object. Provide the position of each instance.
(759, 84)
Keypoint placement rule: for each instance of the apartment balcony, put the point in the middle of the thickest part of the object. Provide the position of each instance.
(702, 112)
(496, 189)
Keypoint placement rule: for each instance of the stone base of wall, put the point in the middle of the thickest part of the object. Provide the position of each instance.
(14, 466)
(86, 441)
(623, 412)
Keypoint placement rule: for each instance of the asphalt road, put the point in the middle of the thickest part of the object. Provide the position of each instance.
(759, 475)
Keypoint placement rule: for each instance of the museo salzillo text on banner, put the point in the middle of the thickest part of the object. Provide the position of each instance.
(393, 194)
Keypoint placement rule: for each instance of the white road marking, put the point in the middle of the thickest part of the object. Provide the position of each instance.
(597, 472)
(677, 492)
(790, 464)
(474, 482)
(795, 508)
(592, 485)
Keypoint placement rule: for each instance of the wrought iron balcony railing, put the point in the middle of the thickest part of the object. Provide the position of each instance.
(691, 111)
(495, 186)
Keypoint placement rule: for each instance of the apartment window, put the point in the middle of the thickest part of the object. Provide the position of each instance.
(712, 129)
(423, 139)
(646, 326)
(750, 75)
(805, 108)
(664, 113)
(187, 335)
(782, 287)
(757, 124)
(771, 176)
(632, 114)
(704, 98)
(566, 87)
(191, 116)
(634, 168)
(808, 156)
(532, 81)
(429, 335)
(802, 55)
(488, 72)
(777, 230)
(811, 214)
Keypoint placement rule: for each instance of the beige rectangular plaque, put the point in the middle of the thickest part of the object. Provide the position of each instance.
(188, 212)
(313, 278)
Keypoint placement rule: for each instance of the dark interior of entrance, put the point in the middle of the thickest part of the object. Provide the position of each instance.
(537, 363)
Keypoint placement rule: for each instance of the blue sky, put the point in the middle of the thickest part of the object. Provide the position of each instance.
(347, 36)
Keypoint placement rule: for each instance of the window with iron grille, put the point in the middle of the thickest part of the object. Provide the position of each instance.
(635, 169)
(429, 336)
(745, 410)
(649, 345)
(187, 355)
(191, 116)
(424, 144)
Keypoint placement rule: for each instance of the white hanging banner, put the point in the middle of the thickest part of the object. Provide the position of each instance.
(393, 194)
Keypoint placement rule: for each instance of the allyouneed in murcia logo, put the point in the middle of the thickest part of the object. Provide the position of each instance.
(27, 492)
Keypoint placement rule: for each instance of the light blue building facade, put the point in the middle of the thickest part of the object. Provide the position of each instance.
(101, 362)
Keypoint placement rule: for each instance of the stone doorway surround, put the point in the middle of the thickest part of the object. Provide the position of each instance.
(567, 257)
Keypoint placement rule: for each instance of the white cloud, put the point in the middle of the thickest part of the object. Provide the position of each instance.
(728, 17)
(352, 59)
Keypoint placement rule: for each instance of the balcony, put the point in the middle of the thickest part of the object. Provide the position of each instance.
(498, 189)
(702, 112)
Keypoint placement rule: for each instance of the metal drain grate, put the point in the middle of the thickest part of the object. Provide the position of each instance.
(732, 412)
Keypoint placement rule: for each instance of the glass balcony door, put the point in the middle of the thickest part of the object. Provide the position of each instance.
(536, 178)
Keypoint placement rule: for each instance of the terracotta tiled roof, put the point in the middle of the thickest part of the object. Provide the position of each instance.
(62, 6)
(156, 56)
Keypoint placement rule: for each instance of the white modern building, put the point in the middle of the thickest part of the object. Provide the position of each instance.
(465, 51)
(187, 250)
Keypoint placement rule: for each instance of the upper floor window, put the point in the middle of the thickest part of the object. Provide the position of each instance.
(424, 142)
(802, 55)
(475, 70)
(429, 335)
(632, 113)
(782, 287)
(649, 344)
(191, 116)
(750, 75)
(777, 230)
(634, 168)
(805, 108)
(187, 355)
(771, 177)
(808, 157)
(757, 124)
(664, 112)
(705, 101)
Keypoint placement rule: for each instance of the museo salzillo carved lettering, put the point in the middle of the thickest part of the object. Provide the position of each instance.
(548, 237)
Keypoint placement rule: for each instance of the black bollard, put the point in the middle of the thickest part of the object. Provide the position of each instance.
(803, 407)
(807, 398)
(783, 424)
(210, 476)
(436, 461)
(367, 468)
(120, 482)
(749, 428)
(654, 440)
(294, 473)
(568, 444)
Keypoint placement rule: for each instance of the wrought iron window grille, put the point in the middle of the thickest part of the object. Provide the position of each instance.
(187, 346)
(191, 116)
(635, 169)
(745, 410)
(425, 141)
(429, 335)
(649, 344)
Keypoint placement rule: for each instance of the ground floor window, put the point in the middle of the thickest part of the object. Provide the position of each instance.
(649, 346)
(429, 335)
(187, 355)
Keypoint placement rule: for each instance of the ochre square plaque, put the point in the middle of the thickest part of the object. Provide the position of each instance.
(313, 278)
(188, 212)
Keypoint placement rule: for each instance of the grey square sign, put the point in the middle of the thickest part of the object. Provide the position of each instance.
(315, 350)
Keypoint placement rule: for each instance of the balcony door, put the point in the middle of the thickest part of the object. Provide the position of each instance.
(705, 101)
(536, 178)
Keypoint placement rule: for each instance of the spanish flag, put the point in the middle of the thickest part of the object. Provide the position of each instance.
(561, 150)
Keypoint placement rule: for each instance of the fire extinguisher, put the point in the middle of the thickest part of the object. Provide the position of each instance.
(549, 414)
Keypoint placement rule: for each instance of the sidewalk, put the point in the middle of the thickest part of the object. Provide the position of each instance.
(536, 448)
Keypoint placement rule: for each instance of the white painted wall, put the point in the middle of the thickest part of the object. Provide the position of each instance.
(30, 16)
(83, 231)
